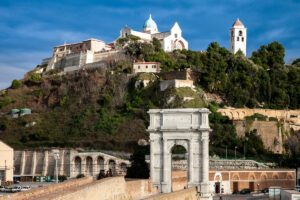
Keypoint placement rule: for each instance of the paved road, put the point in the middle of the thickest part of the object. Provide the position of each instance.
(242, 197)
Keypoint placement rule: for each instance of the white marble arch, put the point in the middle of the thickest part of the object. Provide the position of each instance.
(188, 128)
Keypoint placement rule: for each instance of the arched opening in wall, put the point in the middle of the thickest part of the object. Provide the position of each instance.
(235, 183)
(89, 166)
(112, 167)
(218, 181)
(123, 168)
(179, 167)
(100, 164)
(251, 183)
(77, 165)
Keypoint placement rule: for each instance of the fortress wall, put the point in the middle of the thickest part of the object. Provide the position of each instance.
(54, 188)
(105, 189)
(28, 162)
(267, 130)
(117, 55)
(140, 188)
(240, 114)
(37, 163)
(187, 194)
(17, 161)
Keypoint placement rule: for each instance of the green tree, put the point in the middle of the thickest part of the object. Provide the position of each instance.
(16, 84)
(157, 45)
(139, 168)
(268, 56)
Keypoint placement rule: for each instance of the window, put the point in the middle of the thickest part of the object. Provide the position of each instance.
(153, 66)
(242, 39)
(146, 66)
(232, 33)
(237, 39)
(240, 33)
(139, 67)
(175, 35)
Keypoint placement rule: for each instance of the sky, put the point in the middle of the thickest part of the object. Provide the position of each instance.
(29, 29)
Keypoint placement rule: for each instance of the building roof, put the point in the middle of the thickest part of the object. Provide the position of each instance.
(150, 23)
(238, 23)
(146, 63)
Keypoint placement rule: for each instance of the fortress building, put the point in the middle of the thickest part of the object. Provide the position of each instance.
(238, 37)
(170, 40)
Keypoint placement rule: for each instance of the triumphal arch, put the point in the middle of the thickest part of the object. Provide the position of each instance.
(188, 128)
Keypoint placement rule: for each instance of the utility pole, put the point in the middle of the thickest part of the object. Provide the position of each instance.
(226, 152)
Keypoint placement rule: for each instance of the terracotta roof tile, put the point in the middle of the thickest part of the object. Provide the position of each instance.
(238, 23)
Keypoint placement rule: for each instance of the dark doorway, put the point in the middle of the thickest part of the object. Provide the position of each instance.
(251, 186)
(217, 188)
(235, 186)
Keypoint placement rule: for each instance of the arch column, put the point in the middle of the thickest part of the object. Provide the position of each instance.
(167, 183)
(205, 163)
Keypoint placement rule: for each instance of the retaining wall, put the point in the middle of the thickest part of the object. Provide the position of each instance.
(55, 188)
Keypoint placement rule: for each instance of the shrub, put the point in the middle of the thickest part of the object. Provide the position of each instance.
(80, 176)
(6, 101)
(62, 178)
(16, 84)
(35, 78)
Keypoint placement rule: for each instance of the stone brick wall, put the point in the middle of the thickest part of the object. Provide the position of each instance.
(47, 190)
(140, 188)
(269, 132)
(106, 189)
(187, 194)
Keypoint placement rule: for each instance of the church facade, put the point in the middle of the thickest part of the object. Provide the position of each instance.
(170, 40)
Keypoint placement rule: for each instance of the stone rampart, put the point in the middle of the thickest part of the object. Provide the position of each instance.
(105, 189)
(70, 163)
(269, 132)
(54, 188)
(241, 113)
(139, 188)
(187, 194)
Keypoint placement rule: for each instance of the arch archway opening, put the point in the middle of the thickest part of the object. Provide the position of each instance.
(112, 167)
(100, 164)
(179, 167)
(89, 166)
(77, 169)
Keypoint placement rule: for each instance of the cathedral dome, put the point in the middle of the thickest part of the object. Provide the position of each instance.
(150, 25)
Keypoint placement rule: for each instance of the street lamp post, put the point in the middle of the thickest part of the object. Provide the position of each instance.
(56, 157)
(226, 152)
(235, 152)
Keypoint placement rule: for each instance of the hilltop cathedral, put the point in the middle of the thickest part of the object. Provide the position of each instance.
(93, 52)
(170, 40)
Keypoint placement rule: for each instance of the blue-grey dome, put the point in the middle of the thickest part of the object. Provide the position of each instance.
(149, 23)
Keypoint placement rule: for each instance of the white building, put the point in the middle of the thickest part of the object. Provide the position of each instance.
(147, 67)
(238, 37)
(170, 40)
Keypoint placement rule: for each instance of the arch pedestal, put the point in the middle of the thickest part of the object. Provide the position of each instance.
(188, 128)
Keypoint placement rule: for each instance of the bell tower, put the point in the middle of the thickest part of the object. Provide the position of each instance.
(238, 37)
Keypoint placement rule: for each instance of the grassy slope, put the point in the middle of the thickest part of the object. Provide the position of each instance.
(86, 110)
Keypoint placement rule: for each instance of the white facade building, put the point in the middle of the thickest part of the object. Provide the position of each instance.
(148, 67)
(238, 37)
(170, 40)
